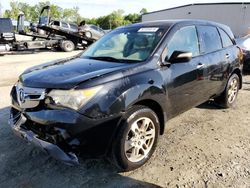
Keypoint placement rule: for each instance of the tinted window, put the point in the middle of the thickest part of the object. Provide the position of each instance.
(65, 25)
(226, 41)
(5, 25)
(210, 38)
(56, 23)
(185, 40)
(94, 27)
(72, 26)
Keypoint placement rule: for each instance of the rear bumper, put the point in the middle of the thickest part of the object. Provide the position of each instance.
(52, 149)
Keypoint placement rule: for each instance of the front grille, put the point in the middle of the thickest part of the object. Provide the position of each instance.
(27, 97)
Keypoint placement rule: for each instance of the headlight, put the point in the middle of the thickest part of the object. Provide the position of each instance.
(88, 34)
(74, 99)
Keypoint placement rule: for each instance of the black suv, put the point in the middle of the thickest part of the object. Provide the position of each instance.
(116, 97)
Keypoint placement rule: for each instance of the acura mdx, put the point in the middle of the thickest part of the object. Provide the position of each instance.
(115, 98)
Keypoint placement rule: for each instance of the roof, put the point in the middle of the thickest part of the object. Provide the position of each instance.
(195, 4)
(173, 22)
(170, 23)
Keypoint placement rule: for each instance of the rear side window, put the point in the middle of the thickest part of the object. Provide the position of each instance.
(185, 40)
(209, 38)
(226, 41)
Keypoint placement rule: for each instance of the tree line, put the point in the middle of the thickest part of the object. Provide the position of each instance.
(72, 15)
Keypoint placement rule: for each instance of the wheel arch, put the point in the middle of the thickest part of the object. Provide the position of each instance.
(156, 107)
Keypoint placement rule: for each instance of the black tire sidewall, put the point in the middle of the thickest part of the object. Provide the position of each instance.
(64, 46)
(129, 118)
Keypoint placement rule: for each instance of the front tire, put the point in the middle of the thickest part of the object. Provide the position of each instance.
(228, 97)
(136, 139)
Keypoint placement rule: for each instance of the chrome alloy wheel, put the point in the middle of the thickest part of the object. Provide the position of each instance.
(232, 90)
(140, 139)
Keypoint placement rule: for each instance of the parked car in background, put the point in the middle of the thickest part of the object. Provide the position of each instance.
(65, 26)
(91, 31)
(116, 98)
(244, 44)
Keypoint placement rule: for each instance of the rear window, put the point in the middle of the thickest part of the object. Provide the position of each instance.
(226, 41)
(6, 25)
(209, 38)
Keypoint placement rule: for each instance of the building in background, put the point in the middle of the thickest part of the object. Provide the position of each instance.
(235, 15)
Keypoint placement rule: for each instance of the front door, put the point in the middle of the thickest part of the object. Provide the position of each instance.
(184, 81)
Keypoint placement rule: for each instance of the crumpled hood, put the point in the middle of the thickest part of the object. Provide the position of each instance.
(66, 74)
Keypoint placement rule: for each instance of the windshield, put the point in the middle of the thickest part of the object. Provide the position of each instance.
(126, 45)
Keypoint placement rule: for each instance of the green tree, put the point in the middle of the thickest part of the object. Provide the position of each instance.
(143, 11)
(133, 18)
(14, 12)
(56, 12)
(110, 21)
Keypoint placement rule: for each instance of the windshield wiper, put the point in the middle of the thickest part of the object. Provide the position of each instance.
(106, 58)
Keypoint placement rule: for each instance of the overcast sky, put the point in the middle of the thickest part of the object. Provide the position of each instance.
(96, 8)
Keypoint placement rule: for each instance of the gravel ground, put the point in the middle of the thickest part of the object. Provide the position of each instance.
(204, 147)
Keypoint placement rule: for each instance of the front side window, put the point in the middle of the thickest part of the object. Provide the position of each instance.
(56, 23)
(185, 40)
(226, 41)
(125, 45)
(210, 38)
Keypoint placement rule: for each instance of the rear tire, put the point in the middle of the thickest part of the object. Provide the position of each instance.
(228, 98)
(67, 46)
(136, 139)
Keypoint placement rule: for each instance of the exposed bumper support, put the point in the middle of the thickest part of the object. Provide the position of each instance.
(51, 149)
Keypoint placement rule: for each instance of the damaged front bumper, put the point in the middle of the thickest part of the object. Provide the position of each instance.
(17, 124)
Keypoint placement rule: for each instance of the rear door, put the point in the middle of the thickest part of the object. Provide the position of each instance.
(230, 54)
(214, 57)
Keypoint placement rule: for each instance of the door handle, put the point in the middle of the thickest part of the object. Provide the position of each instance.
(200, 65)
(227, 56)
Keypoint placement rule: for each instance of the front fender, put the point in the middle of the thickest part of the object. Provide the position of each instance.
(136, 94)
(119, 95)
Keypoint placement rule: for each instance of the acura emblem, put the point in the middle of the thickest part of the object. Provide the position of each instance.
(21, 96)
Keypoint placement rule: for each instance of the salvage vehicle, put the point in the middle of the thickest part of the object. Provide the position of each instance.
(91, 31)
(114, 99)
(244, 44)
(46, 34)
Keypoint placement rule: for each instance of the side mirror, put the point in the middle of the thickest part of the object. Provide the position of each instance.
(179, 57)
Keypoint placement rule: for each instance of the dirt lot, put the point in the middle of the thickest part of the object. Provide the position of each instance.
(204, 147)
